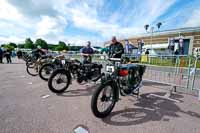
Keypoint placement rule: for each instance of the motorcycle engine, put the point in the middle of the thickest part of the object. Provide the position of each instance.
(88, 73)
(124, 82)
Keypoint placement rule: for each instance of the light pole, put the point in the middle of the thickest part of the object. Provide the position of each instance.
(158, 25)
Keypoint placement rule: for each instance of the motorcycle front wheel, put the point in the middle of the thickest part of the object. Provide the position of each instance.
(103, 100)
(59, 81)
(45, 71)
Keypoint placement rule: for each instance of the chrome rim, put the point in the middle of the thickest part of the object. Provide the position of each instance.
(105, 99)
(60, 81)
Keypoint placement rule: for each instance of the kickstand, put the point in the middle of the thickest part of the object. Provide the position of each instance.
(136, 92)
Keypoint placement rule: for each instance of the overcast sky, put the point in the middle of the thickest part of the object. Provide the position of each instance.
(77, 21)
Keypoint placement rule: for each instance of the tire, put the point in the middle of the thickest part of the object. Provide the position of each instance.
(42, 69)
(51, 79)
(94, 101)
(29, 68)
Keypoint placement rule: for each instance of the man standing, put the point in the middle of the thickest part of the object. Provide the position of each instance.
(171, 45)
(181, 46)
(115, 49)
(86, 52)
(128, 47)
(8, 56)
(140, 46)
(1, 55)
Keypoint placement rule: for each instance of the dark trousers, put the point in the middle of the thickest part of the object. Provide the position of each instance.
(1, 59)
(8, 58)
(87, 59)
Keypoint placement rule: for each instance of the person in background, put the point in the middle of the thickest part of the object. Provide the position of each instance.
(1, 55)
(181, 46)
(87, 52)
(19, 54)
(115, 49)
(8, 56)
(128, 47)
(140, 46)
(171, 45)
(147, 52)
(13, 54)
(37, 53)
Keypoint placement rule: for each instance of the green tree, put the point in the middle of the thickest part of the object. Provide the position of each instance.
(42, 43)
(3, 45)
(61, 46)
(52, 47)
(20, 45)
(29, 44)
(13, 44)
(9, 47)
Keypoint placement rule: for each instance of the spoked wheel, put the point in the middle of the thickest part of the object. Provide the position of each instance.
(32, 69)
(103, 101)
(138, 79)
(59, 81)
(46, 71)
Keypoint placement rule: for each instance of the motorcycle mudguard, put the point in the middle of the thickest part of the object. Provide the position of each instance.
(114, 86)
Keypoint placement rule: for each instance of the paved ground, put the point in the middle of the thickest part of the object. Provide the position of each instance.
(23, 110)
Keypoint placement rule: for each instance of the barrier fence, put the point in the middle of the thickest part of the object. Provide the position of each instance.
(176, 71)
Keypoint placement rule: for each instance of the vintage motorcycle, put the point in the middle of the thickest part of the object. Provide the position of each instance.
(33, 68)
(124, 79)
(47, 69)
(73, 69)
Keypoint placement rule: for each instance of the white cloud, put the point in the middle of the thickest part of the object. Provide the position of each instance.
(50, 26)
(11, 39)
(49, 19)
(86, 17)
(8, 12)
(194, 19)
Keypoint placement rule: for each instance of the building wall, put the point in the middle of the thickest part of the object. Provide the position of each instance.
(159, 39)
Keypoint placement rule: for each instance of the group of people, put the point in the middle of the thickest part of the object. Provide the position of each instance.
(7, 54)
(115, 50)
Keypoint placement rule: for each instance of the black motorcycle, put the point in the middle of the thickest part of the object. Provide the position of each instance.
(61, 78)
(119, 79)
(47, 69)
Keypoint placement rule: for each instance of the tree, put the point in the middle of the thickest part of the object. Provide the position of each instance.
(42, 43)
(8, 47)
(29, 44)
(13, 44)
(3, 45)
(20, 45)
(52, 47)
(61, 46)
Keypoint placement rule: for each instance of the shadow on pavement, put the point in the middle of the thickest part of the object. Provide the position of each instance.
(79, 92)
(147, 83)
(147, 108)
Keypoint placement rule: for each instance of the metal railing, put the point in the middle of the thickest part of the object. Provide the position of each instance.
(176, 71)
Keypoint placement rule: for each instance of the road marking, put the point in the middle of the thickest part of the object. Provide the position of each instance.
(45, 96)
(30, 83)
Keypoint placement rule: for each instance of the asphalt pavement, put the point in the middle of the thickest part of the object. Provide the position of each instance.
(27, 106)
